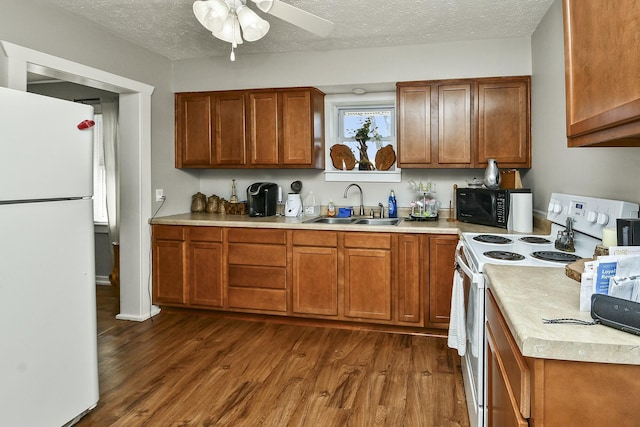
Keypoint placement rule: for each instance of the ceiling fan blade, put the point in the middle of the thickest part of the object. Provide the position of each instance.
(298, 17)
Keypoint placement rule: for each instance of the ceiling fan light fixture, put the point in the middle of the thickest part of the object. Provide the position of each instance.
(230, 31)
(264, 5)
(211, 13)
(253, 27)
(231, 20)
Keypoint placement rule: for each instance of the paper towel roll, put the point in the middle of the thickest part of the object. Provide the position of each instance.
(521, 213)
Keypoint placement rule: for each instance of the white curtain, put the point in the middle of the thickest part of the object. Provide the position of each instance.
(110, 144)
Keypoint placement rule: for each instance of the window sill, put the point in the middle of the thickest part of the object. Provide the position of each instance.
(363, 176)
(101, 228)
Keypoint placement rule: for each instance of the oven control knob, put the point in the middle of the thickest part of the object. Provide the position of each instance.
(551, 205)
(591, 216)
(557, 208)
(603, 218)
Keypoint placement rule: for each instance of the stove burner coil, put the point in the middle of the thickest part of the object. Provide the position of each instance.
(536, 240)
(554, 256)
(492, 238)
(504, 255)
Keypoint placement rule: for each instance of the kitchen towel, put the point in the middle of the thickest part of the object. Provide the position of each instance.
(457, 325)
(521, 213)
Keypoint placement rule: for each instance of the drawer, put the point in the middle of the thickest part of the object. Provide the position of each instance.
(205, 234)
(367, 240)
(315, 238)
(257, 277)
(258, 299)
(250, 254)
(253, 235)
(168, 232)
(518, 376)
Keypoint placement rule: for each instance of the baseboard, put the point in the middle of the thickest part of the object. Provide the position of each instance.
(103, 280)
(154, 311)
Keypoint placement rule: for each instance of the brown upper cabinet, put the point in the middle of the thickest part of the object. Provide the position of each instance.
(263, 128)
(462, 123)
(210, 129)
(504, 122)
(194, 130)
(601, 72)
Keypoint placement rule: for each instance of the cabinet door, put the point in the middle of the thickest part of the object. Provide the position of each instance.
(194, 129)
(409, 294)
(168, 247)
(601, 60)
(441, 257)
(205, 266)
(263, 128)
(297, 128)
(501, 404)
(414, 125)
(367, 282)
(454, 125)
(206, 272)
(230, 131)
(315, 280)
(504, 123)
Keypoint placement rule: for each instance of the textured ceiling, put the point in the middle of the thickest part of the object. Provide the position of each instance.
(168, 27)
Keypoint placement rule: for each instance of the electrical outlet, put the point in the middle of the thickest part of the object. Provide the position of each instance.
(159, 194)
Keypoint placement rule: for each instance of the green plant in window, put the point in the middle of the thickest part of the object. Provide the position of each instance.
(362, 135)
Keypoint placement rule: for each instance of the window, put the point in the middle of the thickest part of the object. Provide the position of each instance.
(99, 174)
(361, 138)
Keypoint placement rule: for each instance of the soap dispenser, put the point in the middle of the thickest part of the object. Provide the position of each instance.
(393, 206)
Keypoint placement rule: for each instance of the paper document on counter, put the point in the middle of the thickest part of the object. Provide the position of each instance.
(617, 275)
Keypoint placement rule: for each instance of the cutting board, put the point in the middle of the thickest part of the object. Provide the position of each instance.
(575, 269)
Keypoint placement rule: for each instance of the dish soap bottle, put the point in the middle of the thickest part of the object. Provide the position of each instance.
(393, 206)
(331, 209)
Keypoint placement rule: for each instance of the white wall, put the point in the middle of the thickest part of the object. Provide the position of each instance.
(55, 37)
(38, 26)
(598, 172)
(340, 71)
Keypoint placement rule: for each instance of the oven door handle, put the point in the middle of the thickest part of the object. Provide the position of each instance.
(460, 264)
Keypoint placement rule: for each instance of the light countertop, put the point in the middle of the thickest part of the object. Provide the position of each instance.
(442, 226)
(526, 295)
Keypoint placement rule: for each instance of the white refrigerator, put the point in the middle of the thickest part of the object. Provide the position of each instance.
(48, 335)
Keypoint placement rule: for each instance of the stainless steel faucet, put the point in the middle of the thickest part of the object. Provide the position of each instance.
(381, 210)
(361, 198)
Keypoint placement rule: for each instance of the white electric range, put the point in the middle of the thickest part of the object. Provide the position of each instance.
(587, 217)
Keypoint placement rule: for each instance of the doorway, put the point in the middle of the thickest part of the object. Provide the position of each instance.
(135, 162)
(60, 89)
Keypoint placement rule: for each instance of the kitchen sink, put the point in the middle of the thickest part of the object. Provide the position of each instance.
(330, 220)
(353, 220)
(378, 221)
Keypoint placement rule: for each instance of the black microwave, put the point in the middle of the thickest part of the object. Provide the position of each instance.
(484, 206)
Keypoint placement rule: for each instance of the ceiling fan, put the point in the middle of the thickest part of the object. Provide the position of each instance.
(226, 18)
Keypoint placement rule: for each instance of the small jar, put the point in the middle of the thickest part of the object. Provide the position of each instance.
(212, 204)
(198, 203)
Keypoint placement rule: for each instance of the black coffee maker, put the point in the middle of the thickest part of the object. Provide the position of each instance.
(262, 198)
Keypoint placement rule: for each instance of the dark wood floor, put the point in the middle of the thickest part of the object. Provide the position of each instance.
(193, 370)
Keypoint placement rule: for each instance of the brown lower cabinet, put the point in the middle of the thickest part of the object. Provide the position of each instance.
(315, 273)
(168, 264)
(441, 255)
(187, 266)
(368, 281)
(205, 266)
(256, 268)
(525, 391)
(388, 278)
